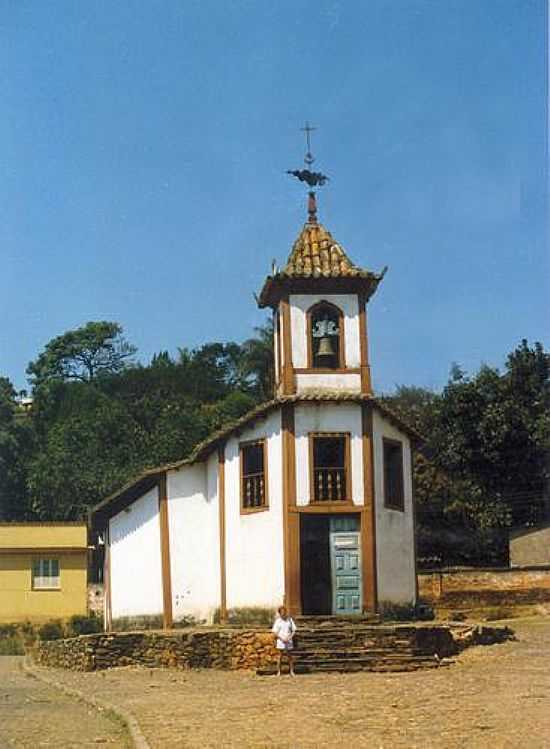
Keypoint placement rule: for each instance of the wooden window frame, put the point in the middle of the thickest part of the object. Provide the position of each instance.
(347, 459)
(397, 506)
(341, 340)
(262, 508)
(40, 559)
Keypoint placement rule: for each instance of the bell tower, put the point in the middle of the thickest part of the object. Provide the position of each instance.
(319, 301)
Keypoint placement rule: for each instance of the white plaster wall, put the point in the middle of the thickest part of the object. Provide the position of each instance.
(328, 417)
(193, 523)
(329, 381)
(254, 541)
(136, 576)
(396, 574)
(299, 305)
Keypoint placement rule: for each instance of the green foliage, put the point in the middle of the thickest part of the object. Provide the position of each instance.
(248, 616)
(84, 625)
(51, 630)
(83, 354)
(11, 645)
(97, 422)
(137, 623)
(406, 612)
(485, 464)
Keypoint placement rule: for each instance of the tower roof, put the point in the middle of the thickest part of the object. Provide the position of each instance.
(318, 261)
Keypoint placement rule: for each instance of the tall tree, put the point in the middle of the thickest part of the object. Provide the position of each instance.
(83, 354)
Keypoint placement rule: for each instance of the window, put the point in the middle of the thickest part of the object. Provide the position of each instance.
(253, 476)
(45, 574)
(330, 474)
(325, 337)
(393, 475)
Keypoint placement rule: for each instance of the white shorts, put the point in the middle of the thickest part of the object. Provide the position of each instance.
(284, 645)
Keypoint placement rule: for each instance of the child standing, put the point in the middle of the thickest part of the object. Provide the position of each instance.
(284, 630)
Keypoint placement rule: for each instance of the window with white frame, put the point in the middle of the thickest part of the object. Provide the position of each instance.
(45, 574)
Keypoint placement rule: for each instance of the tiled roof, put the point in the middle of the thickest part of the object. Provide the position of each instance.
(316, 258)
(315, 254)
(203, 449)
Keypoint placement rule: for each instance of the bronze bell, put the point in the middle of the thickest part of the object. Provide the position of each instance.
(325, 347)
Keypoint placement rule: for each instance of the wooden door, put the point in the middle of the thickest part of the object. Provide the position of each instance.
(345, 556)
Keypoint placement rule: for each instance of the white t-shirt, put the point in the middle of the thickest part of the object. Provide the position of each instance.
(284, 629)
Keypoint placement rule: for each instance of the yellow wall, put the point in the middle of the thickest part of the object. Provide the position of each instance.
(19, 602)
(42, 535)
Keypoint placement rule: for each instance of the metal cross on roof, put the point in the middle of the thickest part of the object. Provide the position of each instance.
(306, 175)
(309, 159)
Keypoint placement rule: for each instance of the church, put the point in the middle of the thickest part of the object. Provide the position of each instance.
(306, 500)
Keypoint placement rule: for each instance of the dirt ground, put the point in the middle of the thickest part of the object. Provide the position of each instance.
(35, 715)
(497, 696)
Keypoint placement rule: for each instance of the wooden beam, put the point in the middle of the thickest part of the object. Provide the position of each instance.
(108, 618)
(165, 552)
(221, 515)
(366, 386)
(288, 379)
(368, 516)
(291, 520)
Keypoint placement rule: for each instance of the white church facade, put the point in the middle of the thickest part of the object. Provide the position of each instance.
(307, 500)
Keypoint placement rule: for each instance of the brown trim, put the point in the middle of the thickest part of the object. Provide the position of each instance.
(413, 509)
(247, 443)
(327, 508)
(366, 386)
(221, 515)
(291, 521)
(277, 328)
(347, 458)
(307, 370)
(276, 288)
(398, 507)
(167, 620)
(288, 381)
(368, 519)
(341, 337)
(45, 550)
(108, 614)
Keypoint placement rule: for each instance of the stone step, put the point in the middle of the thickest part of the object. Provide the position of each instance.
(352, 665)
(358, 653)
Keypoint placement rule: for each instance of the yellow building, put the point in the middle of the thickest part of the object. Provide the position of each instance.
(43, 571)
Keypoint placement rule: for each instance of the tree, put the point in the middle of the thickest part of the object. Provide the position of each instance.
(16, 442)
(257, 362)
(84, 354)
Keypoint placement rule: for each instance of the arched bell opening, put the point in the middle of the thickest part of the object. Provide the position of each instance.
(325, 337)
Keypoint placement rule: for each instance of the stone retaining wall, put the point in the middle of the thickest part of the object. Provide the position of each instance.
(485, 587)
(243, 649)
(223, 649)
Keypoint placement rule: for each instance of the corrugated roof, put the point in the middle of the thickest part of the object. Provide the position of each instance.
(204, 448)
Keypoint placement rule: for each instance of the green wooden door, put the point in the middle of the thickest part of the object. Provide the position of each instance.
(345, 557)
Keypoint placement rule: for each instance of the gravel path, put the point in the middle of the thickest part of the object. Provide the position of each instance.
(497, 696)
(33, 714)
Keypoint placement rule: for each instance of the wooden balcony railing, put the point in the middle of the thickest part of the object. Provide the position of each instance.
(329, 484)
(254, 490)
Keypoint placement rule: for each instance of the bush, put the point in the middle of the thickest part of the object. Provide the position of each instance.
(51, 631)
(136, 623)
(85, 625)
(402, 612)
(247, 616)
(11, 645)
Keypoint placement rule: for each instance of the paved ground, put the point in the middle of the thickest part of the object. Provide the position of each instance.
(35, 715)
(497, 696)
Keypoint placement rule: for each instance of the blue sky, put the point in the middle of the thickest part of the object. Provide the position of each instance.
(143, 149)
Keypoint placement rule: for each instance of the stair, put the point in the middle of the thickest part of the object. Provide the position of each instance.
(331, 644)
